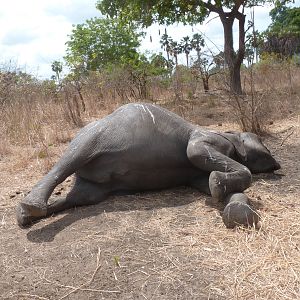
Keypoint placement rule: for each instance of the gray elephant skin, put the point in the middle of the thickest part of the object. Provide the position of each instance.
(142, 147)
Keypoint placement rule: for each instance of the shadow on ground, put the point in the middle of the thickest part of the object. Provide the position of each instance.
(147, 201)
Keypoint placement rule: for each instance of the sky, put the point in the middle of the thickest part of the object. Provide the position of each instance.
(34, 32)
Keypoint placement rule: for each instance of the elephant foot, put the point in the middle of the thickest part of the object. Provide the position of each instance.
(239, 211)
(28, 213)
(217, 186)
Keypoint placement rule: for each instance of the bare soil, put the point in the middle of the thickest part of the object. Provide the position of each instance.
(160, 245)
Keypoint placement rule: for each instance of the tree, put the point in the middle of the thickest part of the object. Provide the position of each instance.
(175, 50)
(144, 68)
(254, 43)
(197, 43)
(285, 19)
(147, 12)
(219, 60)
(186, 48)
(99, 42)
(283, 35)
(165, 42)
(57, 68)
(205, 67)
(13, 79)
(159, 65)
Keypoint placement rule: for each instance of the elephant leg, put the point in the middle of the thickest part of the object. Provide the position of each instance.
(83, 193)
(78, 154)
(201, 184)
(226, 175)
(239, 211)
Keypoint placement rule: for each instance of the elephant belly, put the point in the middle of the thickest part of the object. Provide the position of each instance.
(153, 179)
(126, 173)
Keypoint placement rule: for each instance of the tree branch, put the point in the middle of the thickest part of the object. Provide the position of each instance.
(213, 73)
(211, 19)
(238, 4)
(213, 8)
(249, 26)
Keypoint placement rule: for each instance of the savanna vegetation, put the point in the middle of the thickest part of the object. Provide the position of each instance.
(173, 246)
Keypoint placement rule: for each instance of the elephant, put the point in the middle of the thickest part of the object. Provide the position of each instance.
(141, 147)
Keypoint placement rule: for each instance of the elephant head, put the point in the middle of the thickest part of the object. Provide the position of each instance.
(253, 154)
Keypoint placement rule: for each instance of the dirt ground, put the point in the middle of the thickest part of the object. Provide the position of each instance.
(159, 245)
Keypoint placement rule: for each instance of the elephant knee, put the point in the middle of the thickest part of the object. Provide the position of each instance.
(223, 183)
(245, 178)
(217, 186)
(197, 154)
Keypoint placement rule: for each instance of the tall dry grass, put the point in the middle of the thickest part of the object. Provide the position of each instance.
(38, 115)
(271, 91)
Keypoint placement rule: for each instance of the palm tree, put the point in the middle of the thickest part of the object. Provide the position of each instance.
(175, 50)
(165, 44)
(197, 43)
(186, 47)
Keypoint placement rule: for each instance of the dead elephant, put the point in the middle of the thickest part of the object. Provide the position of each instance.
(143, 147)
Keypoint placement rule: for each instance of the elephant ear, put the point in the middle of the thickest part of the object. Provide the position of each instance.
(238, 141)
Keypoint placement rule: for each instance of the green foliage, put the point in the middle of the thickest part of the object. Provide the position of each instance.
(155, 65)
(48, 88)
(204, 65)
(136, 75)
(57, 68)
(165, 42)
(147, 12)
(100, 42)
(285, 20)
(253, 46)
(197, 42)
(110, 46)
(283, 35)
(159, 65)
(186, 47)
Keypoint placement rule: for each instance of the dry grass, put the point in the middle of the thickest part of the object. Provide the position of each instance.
(166, 245)
(271, 92)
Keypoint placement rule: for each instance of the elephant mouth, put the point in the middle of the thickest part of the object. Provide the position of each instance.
(277, 166)
(274, 168)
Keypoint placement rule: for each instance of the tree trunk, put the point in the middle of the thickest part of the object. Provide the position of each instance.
(232, 59)
(205, 83)
(78, 88)
(176, 61)
(235, 79)
(168, 58)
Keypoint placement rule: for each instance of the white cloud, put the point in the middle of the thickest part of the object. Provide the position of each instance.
(34, 32)
(17, 37)
(75, 11)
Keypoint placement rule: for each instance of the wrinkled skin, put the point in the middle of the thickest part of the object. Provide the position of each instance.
(145, 147)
